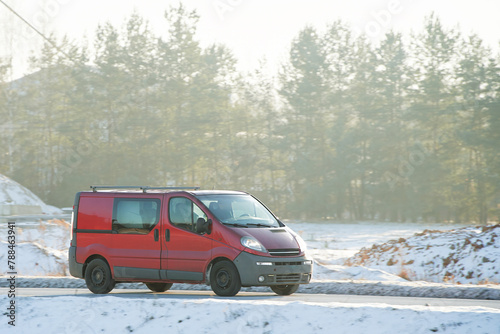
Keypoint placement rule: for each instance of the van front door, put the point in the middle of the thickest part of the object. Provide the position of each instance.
(185, 253)
(136, 238)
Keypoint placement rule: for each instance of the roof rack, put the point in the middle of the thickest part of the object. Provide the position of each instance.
(143, 188)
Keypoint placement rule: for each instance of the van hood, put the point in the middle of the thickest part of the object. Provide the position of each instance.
(271, 238)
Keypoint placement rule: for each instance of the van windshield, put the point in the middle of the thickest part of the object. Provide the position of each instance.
(239, 210)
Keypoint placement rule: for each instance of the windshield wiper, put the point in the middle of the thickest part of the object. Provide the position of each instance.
(259, 224)
(234, 224)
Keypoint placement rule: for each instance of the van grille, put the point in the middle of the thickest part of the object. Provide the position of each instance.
(295, 263)
(287, 278)
(284, 252)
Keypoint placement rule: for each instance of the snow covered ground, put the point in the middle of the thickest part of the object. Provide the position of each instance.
(13, 194)
(466, 255)
(169, 314)
(42, 247)
(42, 250)
(42, 259)
(363, 251)
(350, 258)
(343, 287)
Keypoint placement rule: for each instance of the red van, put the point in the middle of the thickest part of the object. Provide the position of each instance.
(166, 235)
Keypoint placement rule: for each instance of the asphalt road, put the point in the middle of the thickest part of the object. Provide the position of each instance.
(264, 296)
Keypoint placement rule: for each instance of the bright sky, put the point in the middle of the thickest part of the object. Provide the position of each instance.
(253, 29)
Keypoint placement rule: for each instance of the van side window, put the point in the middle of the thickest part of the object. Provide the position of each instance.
(135, 216)
(184, 213)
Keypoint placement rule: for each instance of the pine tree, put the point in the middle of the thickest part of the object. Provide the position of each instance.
(260, 101)
(433, 94)
(476, 73)
(45, 109)
(389, 185)
(304, 88)
(8, 125)
(340, 56)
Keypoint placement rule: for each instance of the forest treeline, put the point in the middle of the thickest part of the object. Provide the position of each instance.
(401, 130)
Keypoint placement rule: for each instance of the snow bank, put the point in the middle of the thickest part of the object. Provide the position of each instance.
(41, 249)
(37, 260)
(18, 200)
(466, 255)
(338, 272)
(167, 313)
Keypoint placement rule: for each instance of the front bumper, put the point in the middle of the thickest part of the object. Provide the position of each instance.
(274, 270)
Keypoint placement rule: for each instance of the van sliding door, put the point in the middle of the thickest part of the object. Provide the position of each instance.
(136, 243)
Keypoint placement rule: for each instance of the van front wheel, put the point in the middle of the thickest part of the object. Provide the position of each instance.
(225, 279)
(159, 287)
(98, 277)
(284, 290)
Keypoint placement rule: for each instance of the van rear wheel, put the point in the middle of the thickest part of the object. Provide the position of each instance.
(159, 287)
(284, 290)
(225, 279)
(98, 277)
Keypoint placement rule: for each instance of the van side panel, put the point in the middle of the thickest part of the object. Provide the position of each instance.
(188, 251)
(222, 250)
(135, 254)
(88, 245)
(135, 251)
(95, 213)
(94, 226)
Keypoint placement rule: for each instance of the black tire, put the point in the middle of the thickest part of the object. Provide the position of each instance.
(284, 290)
(159, 287)
(225, 279)
(98, 277)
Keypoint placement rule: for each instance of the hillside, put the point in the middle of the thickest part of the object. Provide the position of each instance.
(15, 199)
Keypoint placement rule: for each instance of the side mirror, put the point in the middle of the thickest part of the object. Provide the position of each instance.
(203, 226)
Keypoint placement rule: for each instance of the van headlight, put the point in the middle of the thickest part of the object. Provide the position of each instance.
(252, 243)
(300, 241)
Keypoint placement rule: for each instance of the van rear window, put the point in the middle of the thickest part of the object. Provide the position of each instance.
(135, 216)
